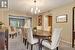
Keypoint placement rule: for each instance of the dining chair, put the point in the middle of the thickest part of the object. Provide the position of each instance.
(24, 35)
(30, 38)
(55, 40)
(12, 31)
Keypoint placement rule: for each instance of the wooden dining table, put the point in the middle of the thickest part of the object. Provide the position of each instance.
(40, 34)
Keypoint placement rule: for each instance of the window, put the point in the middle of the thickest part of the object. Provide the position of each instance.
(16, 22)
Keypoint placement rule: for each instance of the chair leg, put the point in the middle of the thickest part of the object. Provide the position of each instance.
(25, 41)
(57, 48)
(15, 34)
(40, 48)
(31, 47)
(27, 45)
(10, 35)
(73, 42)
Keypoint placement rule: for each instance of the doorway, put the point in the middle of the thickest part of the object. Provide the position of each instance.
(50, 23)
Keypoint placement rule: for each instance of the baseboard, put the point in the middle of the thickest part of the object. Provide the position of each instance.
(66, 42)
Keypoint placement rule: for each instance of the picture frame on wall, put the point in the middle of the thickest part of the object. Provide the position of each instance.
(40, 20)
(61, 18)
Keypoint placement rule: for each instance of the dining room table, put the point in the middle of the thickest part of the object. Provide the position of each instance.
(41, 34)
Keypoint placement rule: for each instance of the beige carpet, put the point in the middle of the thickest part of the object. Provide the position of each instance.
(17, 44)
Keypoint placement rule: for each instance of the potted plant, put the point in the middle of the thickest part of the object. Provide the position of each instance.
(1, 24)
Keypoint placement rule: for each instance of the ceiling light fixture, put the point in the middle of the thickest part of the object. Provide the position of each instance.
(4, 4)
(35, 9)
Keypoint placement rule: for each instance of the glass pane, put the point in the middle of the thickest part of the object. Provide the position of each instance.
(17, 22)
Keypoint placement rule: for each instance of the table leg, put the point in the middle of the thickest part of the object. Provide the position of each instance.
(39, 44)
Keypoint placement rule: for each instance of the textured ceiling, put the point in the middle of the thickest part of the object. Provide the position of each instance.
(44, 5)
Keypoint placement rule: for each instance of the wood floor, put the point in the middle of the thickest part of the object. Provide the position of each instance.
(17, 44)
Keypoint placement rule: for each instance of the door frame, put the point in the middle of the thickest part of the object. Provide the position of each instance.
(73, 33)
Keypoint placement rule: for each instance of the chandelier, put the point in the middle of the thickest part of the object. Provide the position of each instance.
(35, 9)
(4, 4)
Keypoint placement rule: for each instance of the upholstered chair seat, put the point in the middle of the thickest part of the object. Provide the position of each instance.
(46, 43)
(34, 41)
(30, 38)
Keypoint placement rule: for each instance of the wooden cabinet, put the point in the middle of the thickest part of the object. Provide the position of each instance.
(6, 38)
(3, 39)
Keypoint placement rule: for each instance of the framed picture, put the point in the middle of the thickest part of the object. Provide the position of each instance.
(40, 20)
(61, 18)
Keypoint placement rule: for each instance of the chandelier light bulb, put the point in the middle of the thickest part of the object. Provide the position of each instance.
(5, 2)
(31, 9)
(35, 12)
(2, 4)
(36, 8)
(39, 11)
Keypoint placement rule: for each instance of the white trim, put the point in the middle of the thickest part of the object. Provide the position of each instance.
(66, 43)
(19, 17)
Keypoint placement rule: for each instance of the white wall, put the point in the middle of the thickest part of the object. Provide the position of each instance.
(45, 23)
(67, 27)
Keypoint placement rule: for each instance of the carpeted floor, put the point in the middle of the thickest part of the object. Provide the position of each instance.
(17, 44)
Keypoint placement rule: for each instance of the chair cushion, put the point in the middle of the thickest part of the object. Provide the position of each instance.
(46, 43)
(35, 40)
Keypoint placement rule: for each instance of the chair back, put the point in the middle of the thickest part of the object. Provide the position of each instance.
(55, 38)
(13, 29)
(29, 35)
(24, 32)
